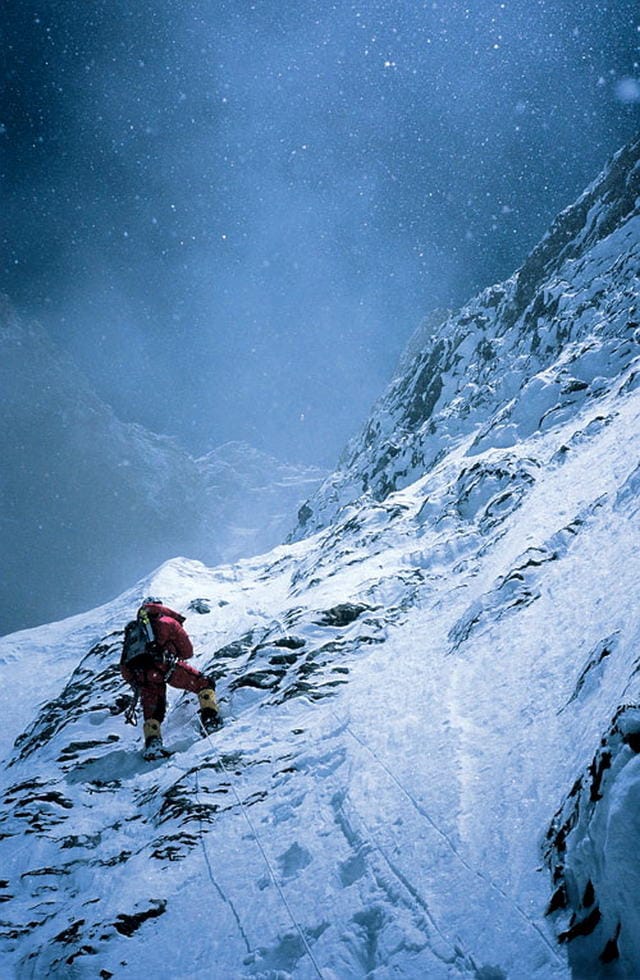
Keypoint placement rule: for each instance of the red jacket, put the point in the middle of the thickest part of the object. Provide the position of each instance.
(168, 631)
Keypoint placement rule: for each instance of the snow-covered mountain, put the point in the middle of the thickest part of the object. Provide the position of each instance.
(89, 503)
(520, 354)
(430, 766)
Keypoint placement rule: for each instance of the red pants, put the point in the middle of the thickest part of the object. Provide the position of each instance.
(153, 685)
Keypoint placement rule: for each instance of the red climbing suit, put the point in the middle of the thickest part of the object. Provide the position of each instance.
(150, 676)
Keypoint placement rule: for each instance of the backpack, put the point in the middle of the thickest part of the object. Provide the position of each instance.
(138, 637)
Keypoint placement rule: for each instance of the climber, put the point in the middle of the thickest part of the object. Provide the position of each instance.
(154, 652)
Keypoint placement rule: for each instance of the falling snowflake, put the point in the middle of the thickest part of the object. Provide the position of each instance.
(628, 90)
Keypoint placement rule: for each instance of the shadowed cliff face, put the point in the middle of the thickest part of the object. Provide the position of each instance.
(591, 846)
(539, 343)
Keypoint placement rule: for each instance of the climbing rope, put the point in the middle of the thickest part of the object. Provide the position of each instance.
(419, 809)
(269, 867)
(423, 813)
(410, 889)
(212, 879)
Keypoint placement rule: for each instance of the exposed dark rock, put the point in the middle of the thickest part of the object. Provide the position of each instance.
(83, 951)
(582, 928)
(632, 739)
(284, 659)
(202, 606)
(174, 847)
(558, 900)
(341, 615)
(588, 674)
(71, 934)
(611, 952)
(597, 768)
(289, 642)
(576, 850)
(121, 858)
(262, 679)
(589, 895)
(74, 749)
(128, 924)
(85, 841)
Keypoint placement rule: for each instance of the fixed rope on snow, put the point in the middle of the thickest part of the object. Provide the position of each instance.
(271, 871)
(479, 874)
(265, 858)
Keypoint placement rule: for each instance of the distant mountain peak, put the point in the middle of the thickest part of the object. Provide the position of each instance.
(88, 502)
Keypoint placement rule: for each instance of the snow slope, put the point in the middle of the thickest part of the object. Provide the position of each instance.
(429, 766)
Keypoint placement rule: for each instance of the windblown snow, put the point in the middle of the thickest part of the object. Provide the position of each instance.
(430, 762)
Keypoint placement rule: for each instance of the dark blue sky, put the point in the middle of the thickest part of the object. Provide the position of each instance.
(235, 214)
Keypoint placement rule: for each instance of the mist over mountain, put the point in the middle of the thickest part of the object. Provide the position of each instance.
(430, 764)
(88, 503)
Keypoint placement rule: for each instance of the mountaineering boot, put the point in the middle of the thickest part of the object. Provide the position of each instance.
(152, 740)
(209, 714)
